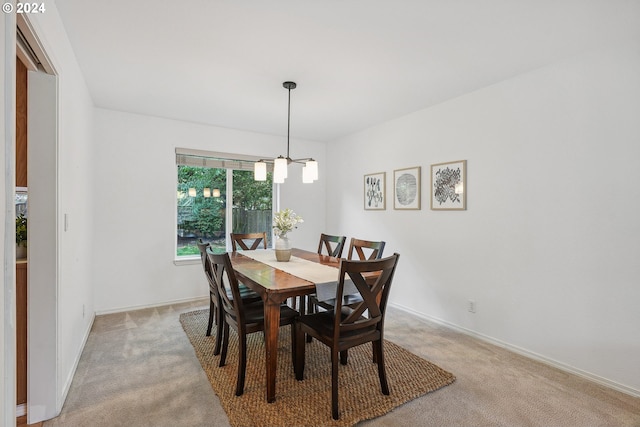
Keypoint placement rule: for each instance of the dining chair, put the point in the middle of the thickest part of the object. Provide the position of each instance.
(247, 295)
(365, 249)
(245, 239)
(354, 325)
(213, 293)
(244, 318)
(329, 245)
(333, 245)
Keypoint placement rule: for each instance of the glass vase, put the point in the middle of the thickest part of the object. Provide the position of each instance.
(283, 248)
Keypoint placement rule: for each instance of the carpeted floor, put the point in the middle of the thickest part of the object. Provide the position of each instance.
(139, 369)
(308, 402)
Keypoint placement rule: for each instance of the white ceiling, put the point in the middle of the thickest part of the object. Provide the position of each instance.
(356, 62)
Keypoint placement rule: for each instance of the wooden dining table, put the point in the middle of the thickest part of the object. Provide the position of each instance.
(275, 287)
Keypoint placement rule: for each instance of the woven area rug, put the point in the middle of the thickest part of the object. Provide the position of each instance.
(308, 402)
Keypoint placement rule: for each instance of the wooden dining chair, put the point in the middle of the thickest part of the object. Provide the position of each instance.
(247, 295)
(329, 245)
(245, 239)
(244, 318)
(355, 325)
(213, 293)
(365, 249)
(333, 245)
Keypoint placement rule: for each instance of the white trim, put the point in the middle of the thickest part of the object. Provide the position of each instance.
(7, 299)
(215, 154)
(187, 260)
(72, 372)
(204, 299)
(30, 34)
(21, 410)
(523, 352)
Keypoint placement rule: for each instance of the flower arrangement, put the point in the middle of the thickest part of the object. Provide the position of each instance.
(285, 221)
(21, 230)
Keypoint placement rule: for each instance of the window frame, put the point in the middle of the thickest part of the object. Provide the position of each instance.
(210, 159)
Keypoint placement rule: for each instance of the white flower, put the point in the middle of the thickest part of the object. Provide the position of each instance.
(285, 221)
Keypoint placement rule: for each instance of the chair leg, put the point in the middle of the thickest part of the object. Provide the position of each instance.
(219, 332)
(310, 310)
(299, 353)
(344, 356)
(211, 314)
(334, 385)
(242, 362)
(294, 346)
(225, 344)
(379, 352)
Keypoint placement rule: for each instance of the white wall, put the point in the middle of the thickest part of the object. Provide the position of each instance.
(548, 247)
(73, 284)
(135, 210)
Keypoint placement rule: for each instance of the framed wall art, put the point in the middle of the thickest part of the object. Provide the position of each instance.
(374, 191)
(406, 188)
(449, 185)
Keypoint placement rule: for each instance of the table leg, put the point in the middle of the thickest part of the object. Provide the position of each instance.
(271, 328)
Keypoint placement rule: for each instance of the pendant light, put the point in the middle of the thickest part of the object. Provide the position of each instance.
(281, 164)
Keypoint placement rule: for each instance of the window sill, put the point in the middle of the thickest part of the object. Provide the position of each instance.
(187, 261)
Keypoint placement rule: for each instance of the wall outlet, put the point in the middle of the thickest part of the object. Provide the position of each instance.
(471, 306)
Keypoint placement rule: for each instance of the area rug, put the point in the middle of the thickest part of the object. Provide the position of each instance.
(308, 402)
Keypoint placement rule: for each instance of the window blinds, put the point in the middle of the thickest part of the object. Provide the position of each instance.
(210, 159)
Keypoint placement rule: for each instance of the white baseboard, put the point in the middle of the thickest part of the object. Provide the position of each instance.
(21, 410)
(523, 352)
(160, 304)
(69, 379)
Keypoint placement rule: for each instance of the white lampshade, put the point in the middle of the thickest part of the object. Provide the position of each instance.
(279, 170)
(312, 170)
(206, 192)
(216, 192)
(192, 192)
(260, 171)
(306, 175)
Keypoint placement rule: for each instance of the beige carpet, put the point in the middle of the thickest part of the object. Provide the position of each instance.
(308, 402)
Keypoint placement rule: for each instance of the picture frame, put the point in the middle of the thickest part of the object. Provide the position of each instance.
(406, 188)
(374, 191)
(449, 186)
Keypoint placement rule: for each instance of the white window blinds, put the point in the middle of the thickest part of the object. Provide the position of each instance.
(210, 159)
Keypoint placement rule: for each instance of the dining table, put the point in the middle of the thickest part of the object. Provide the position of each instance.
(276, 282)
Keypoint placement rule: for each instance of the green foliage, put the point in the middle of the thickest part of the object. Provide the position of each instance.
(188, 250)
(201, 215)
(249, 194)
(21, 229)
(205, 216)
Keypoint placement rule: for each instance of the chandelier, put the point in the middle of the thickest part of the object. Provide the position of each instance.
(280, 164)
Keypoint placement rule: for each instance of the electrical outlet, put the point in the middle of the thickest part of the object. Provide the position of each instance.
(471, 306)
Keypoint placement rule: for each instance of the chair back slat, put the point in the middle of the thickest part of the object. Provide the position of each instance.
(365, 249)
(206, 266)
(227, 285)
(245, 239)
(373, 280)
(334, 245)
(202, 247)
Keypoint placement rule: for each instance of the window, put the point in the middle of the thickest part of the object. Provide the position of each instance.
(217, 196)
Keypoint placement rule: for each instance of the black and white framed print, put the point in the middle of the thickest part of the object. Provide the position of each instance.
(374, 191)
(406, 188)
(449, 185)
